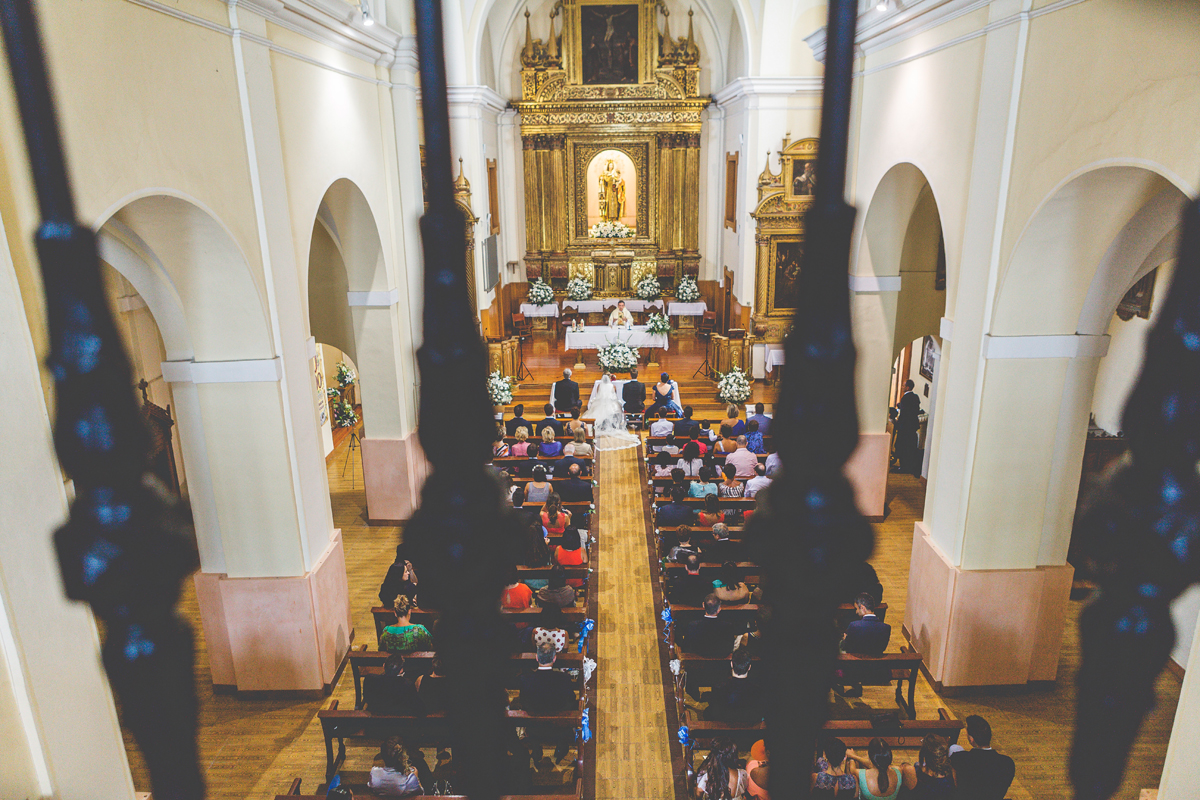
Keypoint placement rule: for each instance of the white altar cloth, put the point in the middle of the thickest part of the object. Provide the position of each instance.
(678, 309)
(594, 337)
(547, 310)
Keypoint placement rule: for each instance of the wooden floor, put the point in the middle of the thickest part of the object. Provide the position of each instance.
(254, 747)
(633, 757)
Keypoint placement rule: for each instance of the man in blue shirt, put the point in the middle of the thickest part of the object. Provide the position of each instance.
(674, 513)
(764, 422)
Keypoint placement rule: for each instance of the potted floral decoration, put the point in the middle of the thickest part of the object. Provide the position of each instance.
(617, 357)
(687, 291)
(733, 387)
(658, 323)
(540, 293)
(343, 415)
(648, 288)
(610, 230)
(500, 392)
(345, 375)
(579, 289)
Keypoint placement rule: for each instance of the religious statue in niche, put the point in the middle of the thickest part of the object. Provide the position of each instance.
(609, 35)
(788, 256)
(612, 193)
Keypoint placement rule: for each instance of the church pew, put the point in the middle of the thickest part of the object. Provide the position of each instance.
(845, 613)
(427, 731)
(365, 662)
(386, 616)
(294, 793)
(851, 668)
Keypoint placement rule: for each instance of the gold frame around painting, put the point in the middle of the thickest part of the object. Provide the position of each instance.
(796, 156)
(646, 39)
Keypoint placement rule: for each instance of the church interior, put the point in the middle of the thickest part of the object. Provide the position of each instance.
(632, 186)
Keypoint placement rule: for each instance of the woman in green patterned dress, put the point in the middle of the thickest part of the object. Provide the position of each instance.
(405, 637)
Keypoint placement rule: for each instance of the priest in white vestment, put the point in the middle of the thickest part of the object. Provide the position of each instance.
(620, 317)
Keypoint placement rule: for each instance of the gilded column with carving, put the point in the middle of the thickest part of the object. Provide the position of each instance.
(691, 213)
(533, 211)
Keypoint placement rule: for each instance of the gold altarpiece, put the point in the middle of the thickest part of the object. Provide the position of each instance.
(607, 83)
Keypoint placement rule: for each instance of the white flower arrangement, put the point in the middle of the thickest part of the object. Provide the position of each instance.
(499, 389)
(540, 293)
(617, 357)
(579, 289)
(648, 288)
(345, 375)
(658, 323)
(733, 387)
(343, 415)
(687, 291)
(610, 230)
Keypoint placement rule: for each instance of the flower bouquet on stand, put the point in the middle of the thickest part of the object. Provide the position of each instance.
(500, 392)
(658, 323)
(610, 230)
(687, 291)
(540, 293)
(733, 387)
(343, 415)
(617, 357)
(579, 289)
(648, 288)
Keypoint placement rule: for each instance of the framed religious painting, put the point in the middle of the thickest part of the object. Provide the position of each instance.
(609, 46)
(731, 187)
(928, 358)
(799, 170)
(787, 254)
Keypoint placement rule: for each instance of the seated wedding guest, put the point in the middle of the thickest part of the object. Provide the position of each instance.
(579, 447)
(537, 547)
(538, 489)
(661, 426)
(758, 781)
(397, 777)
(392, 693)
(754, 438)
(551, 629)
(678, 478)
(981, 772)
(764, 422)
(877, 778)
(735, 425)
(683, 426)
(720, 548)
(674, 513)
(725, 443)
(690, 461)
(710, 635)
(701, 441)
(711, 514)
(405, 636)
(524, 469)
(548, 422)
(556, 593)
(759, 482)
(516, 595)
(669, 446)
(742, 459)
(563, 465)
(500, 448)
(729, 588)
(834, 774)
(431, 688)
(664, 395)
(555, 518)
(401, 578)
(663, 463)
(575, 423)
(866, 635)
(931, 777)
(719, 777)
(546, 690)
(773, 463)
(739, 700)
(731, 486)
(574, 489)
(518, 503)
(751, 640)
(549, 448)
(521, 448)
(706, 485)
(518, 421)
(706, 431)
(683, 547)
(570, 553)
(688, 589)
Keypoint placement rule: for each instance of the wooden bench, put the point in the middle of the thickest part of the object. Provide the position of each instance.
(853, 668)
(427, 731)
(294, 794)
(746, 611)
(365, 662)
(427, 617)
(746, 503)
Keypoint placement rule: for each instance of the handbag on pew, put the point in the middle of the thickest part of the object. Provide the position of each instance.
(885, 722)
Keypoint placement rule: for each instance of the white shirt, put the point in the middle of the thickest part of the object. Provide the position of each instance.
(620, 317)
(661, 427)
(756, 485)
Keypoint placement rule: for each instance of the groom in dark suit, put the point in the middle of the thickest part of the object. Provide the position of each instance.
(633, 394)
(566, 393)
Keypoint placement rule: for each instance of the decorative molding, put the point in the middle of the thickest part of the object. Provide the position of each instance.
(947, 329)
(877, 31)
(758, 86)
(263, 370)
(129, 303)
(483, 97)
(1074, 346)
(874, 283)
(384, 299)
(310, 345)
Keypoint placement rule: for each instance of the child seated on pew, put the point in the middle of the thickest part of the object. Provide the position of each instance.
(400, 775)
(706, 485)
(663, 464)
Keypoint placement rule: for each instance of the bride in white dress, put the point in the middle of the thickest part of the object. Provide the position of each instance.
(609, 414)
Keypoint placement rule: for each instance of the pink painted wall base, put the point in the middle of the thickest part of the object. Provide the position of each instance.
(394, 471)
